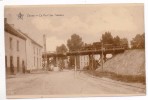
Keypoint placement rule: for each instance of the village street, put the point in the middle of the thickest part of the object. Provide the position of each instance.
(68, 83)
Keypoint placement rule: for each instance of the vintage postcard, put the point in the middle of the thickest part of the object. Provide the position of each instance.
(74, 50)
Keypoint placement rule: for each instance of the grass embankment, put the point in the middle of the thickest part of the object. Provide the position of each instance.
(128, 66)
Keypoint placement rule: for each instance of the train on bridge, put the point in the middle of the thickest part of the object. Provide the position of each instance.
(95, 48)
(99, 46)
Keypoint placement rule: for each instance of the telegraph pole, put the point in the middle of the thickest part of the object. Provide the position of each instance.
(92, 65)
(102, 56)
(45, 59)
(75, 66)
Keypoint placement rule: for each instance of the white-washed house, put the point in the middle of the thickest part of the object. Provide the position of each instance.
(15, 50)
(34, 54)
(22, 53)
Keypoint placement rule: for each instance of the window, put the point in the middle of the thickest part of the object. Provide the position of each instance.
(39, 52)
(10, 40)
(34, 49)
(18, 64)
(37, 62)
(40, 61)
(34, 61)
(17, 45)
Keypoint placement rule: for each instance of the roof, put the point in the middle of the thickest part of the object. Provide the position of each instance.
(30, 38)
(11, 30)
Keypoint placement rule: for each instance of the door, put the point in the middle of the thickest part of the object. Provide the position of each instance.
(6, 64)
(11, 65)
(37, 63)
(18, 64)
(23, 66)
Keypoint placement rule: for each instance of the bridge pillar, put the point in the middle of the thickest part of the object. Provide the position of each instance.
(89, 61)
(47, 65)
(114, 52)
(75, 63)
(57, 62)
(92, 65)
(104, 57)
(102, 60)
(78, 61)
(75, 59)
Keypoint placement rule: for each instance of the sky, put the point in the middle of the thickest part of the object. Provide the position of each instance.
(59, 22)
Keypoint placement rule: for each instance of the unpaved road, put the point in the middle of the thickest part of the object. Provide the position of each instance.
(67, 83)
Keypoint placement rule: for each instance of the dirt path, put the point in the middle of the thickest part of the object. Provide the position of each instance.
(67, 83)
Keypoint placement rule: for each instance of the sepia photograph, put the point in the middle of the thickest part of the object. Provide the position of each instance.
(74, 50)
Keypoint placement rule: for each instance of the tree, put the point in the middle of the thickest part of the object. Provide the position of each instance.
(61, 49)
(107, 38)
(138, 42)
(124, 43)
(116, 41)
(74, 43)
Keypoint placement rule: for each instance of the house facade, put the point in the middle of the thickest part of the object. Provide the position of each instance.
(84, 61)
(22, 54)
(15, 51)
(34, 54)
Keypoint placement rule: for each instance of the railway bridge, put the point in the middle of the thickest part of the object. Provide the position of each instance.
(90, 52)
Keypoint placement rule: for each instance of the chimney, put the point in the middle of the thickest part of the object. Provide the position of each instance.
(5, 20)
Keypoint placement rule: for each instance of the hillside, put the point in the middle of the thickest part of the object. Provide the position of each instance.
(131, 62)
(127, 66)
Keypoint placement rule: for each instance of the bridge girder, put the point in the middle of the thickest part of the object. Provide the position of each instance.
(88, 52)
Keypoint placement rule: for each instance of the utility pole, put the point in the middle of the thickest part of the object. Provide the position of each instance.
(102, 56)
(75, 66)
(92, 65)
(45, 52)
